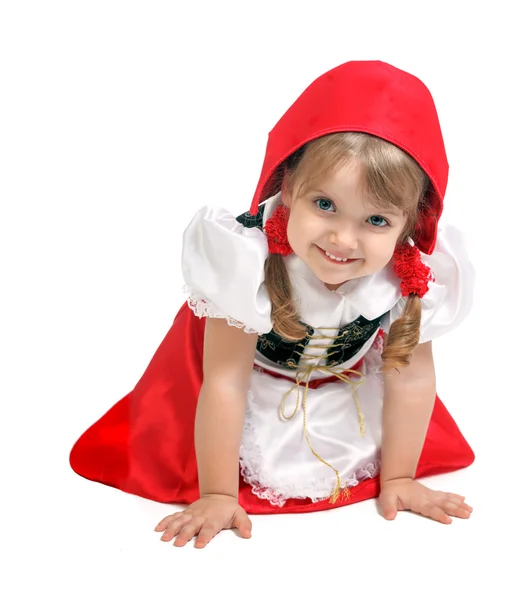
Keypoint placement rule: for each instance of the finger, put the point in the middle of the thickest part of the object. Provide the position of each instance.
(449, 494)
(448, 500)
(207, 533)
(243, 523)
(456, 510)
(462, 504)
(454, 496)
(166, 520)
(188, 531)
(175, 526)
(164, 523)
(389, 505)
(459, 501)
(434, 512)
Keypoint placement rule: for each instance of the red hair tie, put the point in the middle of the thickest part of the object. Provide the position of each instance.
(414, 274)
(276, 232)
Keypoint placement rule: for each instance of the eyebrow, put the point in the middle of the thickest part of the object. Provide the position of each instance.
(391, 213)
(383, 211)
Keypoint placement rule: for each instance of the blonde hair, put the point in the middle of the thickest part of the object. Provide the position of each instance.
(390, 177)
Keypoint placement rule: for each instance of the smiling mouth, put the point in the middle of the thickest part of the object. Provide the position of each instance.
(334, 259)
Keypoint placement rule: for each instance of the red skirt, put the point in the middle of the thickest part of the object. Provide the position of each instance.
(144, 444)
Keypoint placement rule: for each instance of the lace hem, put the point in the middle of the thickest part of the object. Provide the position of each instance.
(204, 308)
(368, 471)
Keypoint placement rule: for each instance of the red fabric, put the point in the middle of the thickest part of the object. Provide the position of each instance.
(276, 232)
(370, 97)
(315, 383)
(144, 444)
(413, 273)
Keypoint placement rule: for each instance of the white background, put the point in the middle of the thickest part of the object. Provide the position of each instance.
(117, 121)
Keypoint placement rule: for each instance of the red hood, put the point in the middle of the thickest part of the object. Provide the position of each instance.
(371, 97)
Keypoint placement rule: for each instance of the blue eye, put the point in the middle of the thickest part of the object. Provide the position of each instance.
(378, 221)
(324, 204)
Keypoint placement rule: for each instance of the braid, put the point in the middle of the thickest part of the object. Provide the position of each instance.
(404, 335)
(284, 313)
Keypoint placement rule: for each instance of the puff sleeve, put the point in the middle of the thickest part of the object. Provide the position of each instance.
(223, 269)
(449, 297)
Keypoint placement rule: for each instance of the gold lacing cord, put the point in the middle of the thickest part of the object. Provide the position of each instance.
(304, 376)
(321, 337)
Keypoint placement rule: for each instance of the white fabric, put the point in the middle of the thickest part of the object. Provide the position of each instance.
(223, 267)
(223, 264)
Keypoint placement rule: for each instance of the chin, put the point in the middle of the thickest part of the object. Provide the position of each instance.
(331, 281)
(345, 279)
(334, 282)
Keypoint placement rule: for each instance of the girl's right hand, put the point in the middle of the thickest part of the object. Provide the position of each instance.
(205, 518)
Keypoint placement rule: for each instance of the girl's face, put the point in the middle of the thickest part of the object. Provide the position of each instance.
(336, 221)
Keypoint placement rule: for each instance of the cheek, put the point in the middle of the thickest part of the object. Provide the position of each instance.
(300, 229)
(292, 232)
(382, 249)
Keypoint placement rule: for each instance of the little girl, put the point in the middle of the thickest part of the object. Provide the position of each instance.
(303, 356)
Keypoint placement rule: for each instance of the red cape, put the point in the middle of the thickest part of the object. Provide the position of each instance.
(144, 444)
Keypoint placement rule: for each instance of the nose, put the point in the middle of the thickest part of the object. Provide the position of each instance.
(344, 238)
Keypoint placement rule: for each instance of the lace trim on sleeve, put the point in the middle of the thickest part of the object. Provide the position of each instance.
(204, 308)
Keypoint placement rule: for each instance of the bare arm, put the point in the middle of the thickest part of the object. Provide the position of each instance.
(228, 364)
(409, 396)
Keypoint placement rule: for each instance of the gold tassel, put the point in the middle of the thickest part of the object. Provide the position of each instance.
(338, 491)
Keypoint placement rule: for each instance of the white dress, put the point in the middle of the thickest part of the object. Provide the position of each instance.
(282, 456)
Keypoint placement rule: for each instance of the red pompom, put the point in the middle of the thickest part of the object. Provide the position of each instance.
(414, 274)
(276, 232)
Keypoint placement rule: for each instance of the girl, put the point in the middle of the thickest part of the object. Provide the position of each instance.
(303, 356)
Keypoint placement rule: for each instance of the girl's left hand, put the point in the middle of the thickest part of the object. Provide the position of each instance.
(407, 494)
